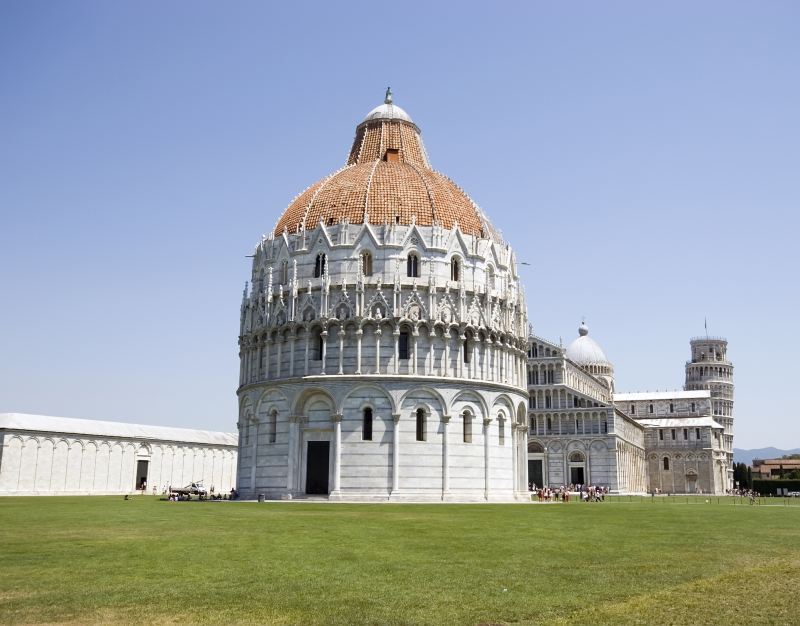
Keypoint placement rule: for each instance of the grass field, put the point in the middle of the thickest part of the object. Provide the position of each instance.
(625, 561)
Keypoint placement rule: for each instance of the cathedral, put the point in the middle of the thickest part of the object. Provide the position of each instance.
(581, 431)
(385, 354)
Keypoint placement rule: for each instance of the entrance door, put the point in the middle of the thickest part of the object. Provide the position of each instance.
(317, 467)
(691, 484)
(141, 474)
(576, 475)
(535, 475)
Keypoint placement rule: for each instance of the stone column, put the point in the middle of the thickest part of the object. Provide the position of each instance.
(293, 449)
(514, 452)
(545, 472)
(253, 424)
(446, 357)
(414, 335)
(523, 459)
(337, 454)
(462, 346)
(487, 421)
(341, 349)
(266, 365)
(445, 458)
(279, 355)
(305, 364)
(324, 335)
(292, 339)
(359, 336)
(396, 335)
(588, 465)
(396, 453)
(258, 367)
(378, 350)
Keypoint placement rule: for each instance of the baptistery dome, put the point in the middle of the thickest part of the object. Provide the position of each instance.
(387, 178)
(383, 338)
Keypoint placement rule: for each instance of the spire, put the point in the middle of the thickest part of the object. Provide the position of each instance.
(388, 98)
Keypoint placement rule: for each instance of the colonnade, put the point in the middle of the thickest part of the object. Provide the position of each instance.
(569, 423)
(457, 352)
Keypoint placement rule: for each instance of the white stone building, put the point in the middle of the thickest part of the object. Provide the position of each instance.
(44, 455)
(576, 434)
(690, 433)
(581, 432)
(383, 341)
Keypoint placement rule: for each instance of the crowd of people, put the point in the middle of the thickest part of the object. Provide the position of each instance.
(585, 493)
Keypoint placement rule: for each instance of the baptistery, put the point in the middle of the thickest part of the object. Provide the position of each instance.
(383, 337)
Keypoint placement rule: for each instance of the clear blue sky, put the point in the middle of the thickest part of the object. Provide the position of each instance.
(643, 157)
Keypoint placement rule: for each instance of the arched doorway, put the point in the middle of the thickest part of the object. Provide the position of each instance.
(535, 464)
(577, 468)
(691, 481)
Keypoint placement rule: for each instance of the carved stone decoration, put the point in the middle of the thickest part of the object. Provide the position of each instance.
(447, 311)
(378, 305)
(413, 308)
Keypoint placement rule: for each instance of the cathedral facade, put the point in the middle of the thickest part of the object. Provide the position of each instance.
(383, 339)
(582, 432)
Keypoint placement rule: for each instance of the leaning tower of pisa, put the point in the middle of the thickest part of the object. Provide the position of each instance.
(710, 369)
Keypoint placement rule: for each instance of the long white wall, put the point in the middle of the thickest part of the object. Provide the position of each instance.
(54, 464)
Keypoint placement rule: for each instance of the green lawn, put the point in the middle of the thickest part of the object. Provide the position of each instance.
(625, 561)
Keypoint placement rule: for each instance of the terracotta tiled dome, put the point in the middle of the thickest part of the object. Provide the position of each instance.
(387, 179)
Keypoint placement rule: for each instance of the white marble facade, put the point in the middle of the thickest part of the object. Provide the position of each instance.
(44, 455)
(320, 350)
(581, 432)
(384, 361)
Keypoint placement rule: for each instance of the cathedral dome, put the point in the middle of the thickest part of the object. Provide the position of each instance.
(387, 179)
(585, 350)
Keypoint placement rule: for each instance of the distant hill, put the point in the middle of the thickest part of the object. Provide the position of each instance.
(747, 456)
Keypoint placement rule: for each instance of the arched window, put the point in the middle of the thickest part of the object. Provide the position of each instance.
(467, 348)
(671, 407)
(402, 345)
(501, 430)
(285, 272)
(455, 268)
(693, 407)
(319, 265)
(650, 408)
(420, 425)
(549, 424)
(666, 462)
(633, 409)
(466, 420)
(366, 263)
(490, 278)
(316, 345)
(273, 426)
(366, 425)
(412, 265)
